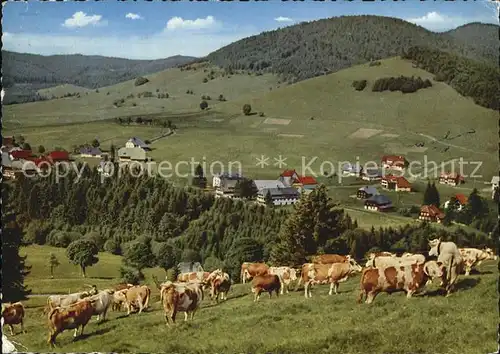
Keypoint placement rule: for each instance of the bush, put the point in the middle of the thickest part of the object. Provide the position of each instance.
(261, 114)
(247, 109)
(113, 247)
(131, 275)
(205, 80)
(62, 238)
(37, 232)
(140, 81)
(374, 63)
(203, 105)
(403, 83)
(359, 85)
(97, 238)
(212, 263)
(172, 274)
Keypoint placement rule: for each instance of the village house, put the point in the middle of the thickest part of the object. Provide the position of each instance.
(261, 184)
(395, 183)
(90, 151)
(452, 179)
(288, 177)
(378, 202)
(226, 189)
(135, 142)
(126, 154)
(58, 156)
(12, 168)
(431, 213)
(372, 174)
(218, 178)
(279, 196)
(366, 192)
(460, 202)
(20, 154)
(354, 170)
(305, 184)
(395, 162)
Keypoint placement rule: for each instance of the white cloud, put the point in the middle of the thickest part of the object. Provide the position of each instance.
(133, 16)
(80, 19)
(435, 21)
(200, 23)
(155, 46)
(283, 19)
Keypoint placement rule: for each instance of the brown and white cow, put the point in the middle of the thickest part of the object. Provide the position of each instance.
(118, 300)
(286, 275)
(314, 273)
(192, 277)
(69, 317)
(54, 301)
(13, 314)
(137, 296)
(101, 302)
(220, 284)
(266, 282)
(408, 278)
(185, 297)
(250, 270)
(473, 257)
(330, 258)
(389, 261)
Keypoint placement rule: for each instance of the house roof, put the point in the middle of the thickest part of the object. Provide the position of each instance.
(378, 199)
(138, 142)
(229, 176)
(462, 199)
(452, 175)
(400, 181)
(21, 154)
(288, 173)
(369, 190)
(306, 180)
(58, 155)
(432, 210)
(268, 183)
(135, 153)
(280, 192)
(393, 158)
(90, 150)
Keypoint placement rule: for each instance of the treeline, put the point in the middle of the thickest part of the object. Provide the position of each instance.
(470, 78)
(153, 223)
(320, 47)
(403, 83)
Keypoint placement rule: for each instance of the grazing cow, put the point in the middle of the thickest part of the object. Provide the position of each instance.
(185, 297)
(327, 273)
(330, 258)
(135, 296)
(474, 257)
(13, 314)
(117, 298)
(408, 278)
(448, 254)
(219, 283)
(418, 258)
(390, 261)
(192, 276)
(69, 317)
(266, 282)
(101, 302)
(54, 301)
(250, 270)
(286, 275)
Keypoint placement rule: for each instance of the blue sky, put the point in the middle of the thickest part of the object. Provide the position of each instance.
(151, 30)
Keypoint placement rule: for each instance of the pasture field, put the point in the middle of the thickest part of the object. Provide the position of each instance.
(430, 323)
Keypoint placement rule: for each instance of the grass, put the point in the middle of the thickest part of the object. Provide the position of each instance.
(462, 323)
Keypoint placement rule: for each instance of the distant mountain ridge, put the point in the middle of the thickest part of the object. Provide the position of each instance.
(314, 48)
(24, 74)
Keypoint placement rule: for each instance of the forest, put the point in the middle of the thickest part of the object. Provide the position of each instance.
(166, 224)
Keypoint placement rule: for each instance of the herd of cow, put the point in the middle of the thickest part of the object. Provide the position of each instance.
(383, 272)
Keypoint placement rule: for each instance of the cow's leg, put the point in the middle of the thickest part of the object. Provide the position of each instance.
(309, 291)
(75, 334)
(141, 305)
(468, 268)
(22, 326)
(336, 288)
(11, 330)
(331, 289)
(370, 297)
(185, 316)
(409, 293)
(306, 286)
(361, 294)
(52, 338)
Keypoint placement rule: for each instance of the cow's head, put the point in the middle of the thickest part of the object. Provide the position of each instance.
(354, 266)
(490, 254)
(120, 295)
(434, 269)
(293, 274)
(434, 245)
(371, 260)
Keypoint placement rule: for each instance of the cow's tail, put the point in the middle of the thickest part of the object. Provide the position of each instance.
(148, 295)
(298, 282)
(361, 287)
(242, 275)
(448, 274)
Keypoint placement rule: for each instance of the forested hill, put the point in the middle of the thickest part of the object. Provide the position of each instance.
(314, 48)
(81, 70)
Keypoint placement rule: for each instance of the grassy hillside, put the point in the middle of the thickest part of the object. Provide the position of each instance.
(62, 90)
(23, 73)
(290, 323)
(482, 35)
(313, 48)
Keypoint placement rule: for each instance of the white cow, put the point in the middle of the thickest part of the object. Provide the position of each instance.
(448, 254)
(285, 274)
(103, 300)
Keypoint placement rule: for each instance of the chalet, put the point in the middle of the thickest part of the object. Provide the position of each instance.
(58, 156)
(396, 183)
(494, 182)
(90, 152)
(305, 183)
(226, 189)
(378, 202)
(20, 154)
(372, 174)
(431, 213)
(288, 177)
(349, 169)
(126, 154)
(279, 196)
(459, 200)
(451, 179)
(261, 184)
(135, 142)
(395, 162)
(218, 178)
(12, 168)
(366, 192)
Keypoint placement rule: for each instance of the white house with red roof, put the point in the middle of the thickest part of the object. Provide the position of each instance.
(395, 162)
(451, 179)
(288, 177)
(459, 200)
(396, 183)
